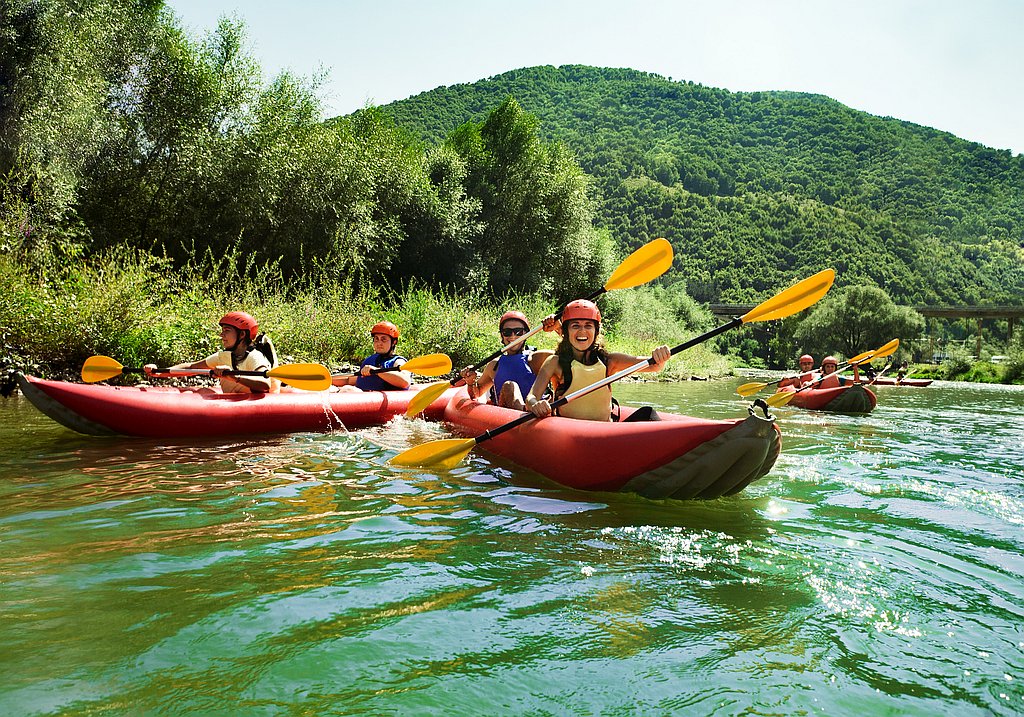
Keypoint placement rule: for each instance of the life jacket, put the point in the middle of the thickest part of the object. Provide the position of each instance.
(376, 383)
(515, 368)
(594, 406)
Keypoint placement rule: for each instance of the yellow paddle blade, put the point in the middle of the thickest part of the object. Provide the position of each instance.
(444, 454)
(888, 349)
(795, 298)
(749, 389)
(861, 358)
(100, 368)
(645, 264)
(425, 397)
(429, 365)
(308, 376)
(780, 399)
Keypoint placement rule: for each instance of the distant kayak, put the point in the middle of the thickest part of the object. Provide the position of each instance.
(852, 398)
(170, 412)
(889, 381)
(676, 457)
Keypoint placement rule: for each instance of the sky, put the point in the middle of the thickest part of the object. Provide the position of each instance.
(949, 64)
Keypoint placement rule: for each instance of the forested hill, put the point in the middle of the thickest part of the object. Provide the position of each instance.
(755, 188)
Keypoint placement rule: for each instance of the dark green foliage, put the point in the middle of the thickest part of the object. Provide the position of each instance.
(756, 190)
(857, 319)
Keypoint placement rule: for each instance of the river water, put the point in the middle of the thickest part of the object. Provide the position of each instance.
(877, 570)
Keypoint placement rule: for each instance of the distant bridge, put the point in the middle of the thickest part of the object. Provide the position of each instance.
(978, 313)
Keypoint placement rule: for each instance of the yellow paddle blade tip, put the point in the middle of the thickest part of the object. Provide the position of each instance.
(444, 454)
(749, 389)
(424, 398)
(100, 368)
(780, 399)
(429, 365)
(645, 264)
(794, 299)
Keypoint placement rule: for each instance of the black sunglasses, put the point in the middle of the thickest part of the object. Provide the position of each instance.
(512, 332)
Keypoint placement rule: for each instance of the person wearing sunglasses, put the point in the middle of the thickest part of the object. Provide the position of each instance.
(805, 376)
(509, 377)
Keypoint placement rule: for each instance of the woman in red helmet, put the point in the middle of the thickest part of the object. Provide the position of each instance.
(384, 335)
(830, 379)
(510, 376)
(582, 360)
(239, 334)
(805, 376)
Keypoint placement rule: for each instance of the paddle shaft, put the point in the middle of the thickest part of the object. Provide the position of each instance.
(195, 372)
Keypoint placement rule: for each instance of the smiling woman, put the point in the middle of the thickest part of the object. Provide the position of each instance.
(581, 360)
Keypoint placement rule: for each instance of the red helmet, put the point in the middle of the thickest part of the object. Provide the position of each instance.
(581, 309)
(241, 321)
(829, 359)
(385, 327)
(806, 357)
(509, 315)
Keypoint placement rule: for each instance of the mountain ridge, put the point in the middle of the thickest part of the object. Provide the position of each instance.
(949, 210)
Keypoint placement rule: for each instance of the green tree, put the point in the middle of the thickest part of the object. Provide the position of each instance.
(856, 319)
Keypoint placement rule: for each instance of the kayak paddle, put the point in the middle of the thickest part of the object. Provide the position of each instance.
(645, 264)
(308, 376)
(429, 365)
(449, 453)
(783, 397)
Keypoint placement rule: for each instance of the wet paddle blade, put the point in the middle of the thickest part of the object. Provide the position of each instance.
(780, 399)
(100, 368)
(645, 264)
(307, 376)
(429, 365)
(794, 299)
(445, 454)
(749, 389)
(425, 397)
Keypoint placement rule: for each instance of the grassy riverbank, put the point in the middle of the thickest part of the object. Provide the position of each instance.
(139, 309)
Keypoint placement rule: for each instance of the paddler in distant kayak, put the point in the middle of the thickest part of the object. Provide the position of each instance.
(245, 349)
(582, 360)
(830, 379)
(805, 376)
(384, 335)
(510, 376)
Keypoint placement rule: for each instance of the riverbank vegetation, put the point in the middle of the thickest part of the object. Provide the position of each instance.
(150, 181)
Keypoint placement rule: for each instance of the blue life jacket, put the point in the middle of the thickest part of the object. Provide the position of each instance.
(376, 383)
(514, 367)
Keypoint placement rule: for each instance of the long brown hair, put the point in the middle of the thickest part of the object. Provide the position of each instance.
(564, 352)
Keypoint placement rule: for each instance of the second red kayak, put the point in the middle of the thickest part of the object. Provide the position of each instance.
(888, 381)
(852, 398)
(168, 412)
(676, 457)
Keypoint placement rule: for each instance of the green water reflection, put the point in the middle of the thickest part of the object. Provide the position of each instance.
(876, 570)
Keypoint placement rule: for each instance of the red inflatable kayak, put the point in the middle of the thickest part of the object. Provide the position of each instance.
(168, 412)
(677, 457)
(888, 381)
(852, 398)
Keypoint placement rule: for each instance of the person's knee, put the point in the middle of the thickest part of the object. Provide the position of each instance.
(511, 396)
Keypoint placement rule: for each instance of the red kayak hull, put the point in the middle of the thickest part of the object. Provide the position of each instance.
(852, 398)
(678, 457)
(169, 412)
(917, 382)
